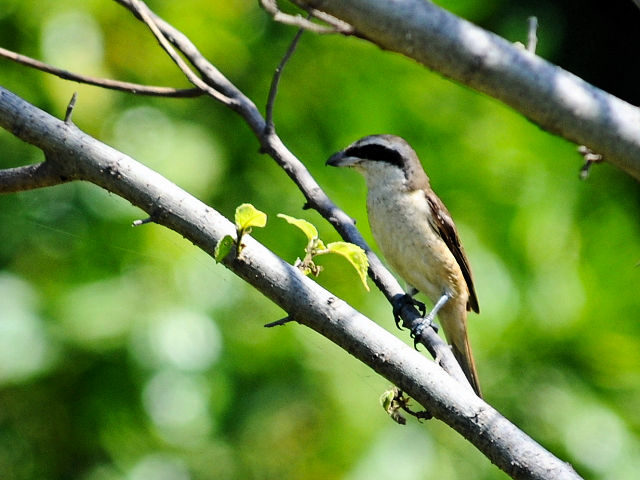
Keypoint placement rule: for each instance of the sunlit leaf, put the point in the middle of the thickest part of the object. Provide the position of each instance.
(356, 257)
(248, 216)
(309, 230)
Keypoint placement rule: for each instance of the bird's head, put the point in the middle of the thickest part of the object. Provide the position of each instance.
(383, 160)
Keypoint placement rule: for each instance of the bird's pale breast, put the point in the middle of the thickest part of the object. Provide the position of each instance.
(400, 225)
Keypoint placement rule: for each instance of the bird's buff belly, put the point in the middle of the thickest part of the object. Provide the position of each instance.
(416, 252)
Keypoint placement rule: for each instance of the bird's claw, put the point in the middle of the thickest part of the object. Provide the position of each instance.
(417, 330)
(401, 302)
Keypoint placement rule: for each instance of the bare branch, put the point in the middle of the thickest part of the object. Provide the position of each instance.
(341, 27)
(210, 74)
(273, 90)
(335, 25)
(100, 82)
(30, 177)
(141, 9)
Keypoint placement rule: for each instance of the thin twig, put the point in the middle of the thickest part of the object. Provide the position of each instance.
(142, 10)
(278, 323)
(334, 25)
(185, 46)
(273, 90)
(70, 107)
(341, 26)
(136, 88)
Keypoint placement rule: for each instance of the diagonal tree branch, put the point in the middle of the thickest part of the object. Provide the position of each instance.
(273, 89)
(71, 150)
(142, 11)
(551, 97)
(209, 73)
(136, 88)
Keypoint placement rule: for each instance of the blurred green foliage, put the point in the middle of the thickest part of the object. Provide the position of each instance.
(125, 353)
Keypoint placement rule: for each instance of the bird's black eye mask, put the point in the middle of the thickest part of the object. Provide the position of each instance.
(378, 153)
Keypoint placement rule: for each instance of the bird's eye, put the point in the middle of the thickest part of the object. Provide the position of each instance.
(375, 152)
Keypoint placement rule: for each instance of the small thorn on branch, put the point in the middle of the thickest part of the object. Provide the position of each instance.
(532, 36)
(137, 223)
(590, 157)
(277, 323)
(70, 107)
(334, 25)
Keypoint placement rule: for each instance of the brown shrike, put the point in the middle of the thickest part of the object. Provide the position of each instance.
(417, 236)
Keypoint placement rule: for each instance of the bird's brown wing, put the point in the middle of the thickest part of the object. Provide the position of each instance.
(444, 225)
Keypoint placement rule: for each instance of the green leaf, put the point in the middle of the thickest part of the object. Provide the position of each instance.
(309, 230)
(356, 257)
(386, 400)
(248, 216)
(223, 248)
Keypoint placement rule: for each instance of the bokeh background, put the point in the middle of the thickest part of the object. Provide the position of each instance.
(126, 353)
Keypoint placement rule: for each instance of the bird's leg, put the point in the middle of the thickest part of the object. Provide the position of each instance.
(428, 320)
(401, 301)
(412, 292)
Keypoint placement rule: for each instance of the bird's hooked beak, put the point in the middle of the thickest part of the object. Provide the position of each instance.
(341, 159)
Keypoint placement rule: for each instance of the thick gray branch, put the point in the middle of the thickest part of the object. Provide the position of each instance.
(75, 152)
(28, 177)
(555, 99)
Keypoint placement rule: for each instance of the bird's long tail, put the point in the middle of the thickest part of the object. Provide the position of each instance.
(454, 323)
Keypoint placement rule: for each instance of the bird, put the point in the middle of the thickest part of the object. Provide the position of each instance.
(417, 236)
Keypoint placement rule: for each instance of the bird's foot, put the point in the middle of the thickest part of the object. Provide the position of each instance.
(402, 301)
(419, 327)
(428, 320)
